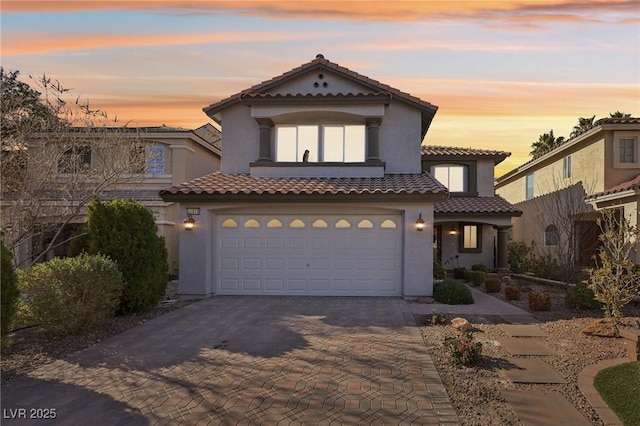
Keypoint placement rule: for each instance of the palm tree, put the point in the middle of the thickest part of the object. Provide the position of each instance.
(583, 125)
(619, 114)
(546, 141)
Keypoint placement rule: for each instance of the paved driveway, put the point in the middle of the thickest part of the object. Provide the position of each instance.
(246, 360)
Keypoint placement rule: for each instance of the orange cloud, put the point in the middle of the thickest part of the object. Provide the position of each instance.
(391, 11)
(36, 43)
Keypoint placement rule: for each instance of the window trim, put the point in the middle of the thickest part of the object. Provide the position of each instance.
(320, 143)
(472, 172)
(616, 150)
(566, 167)
(529, 190)
(465, 176)
(461, 247)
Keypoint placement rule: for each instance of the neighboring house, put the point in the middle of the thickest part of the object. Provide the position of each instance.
(321, 192)
(472, 226)
(174, 155)
(561, 191)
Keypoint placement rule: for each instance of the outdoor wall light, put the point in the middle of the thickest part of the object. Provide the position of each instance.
(420, 223)
(190, 222)
(453, 231)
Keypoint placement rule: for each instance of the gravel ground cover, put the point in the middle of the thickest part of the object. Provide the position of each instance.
(476, 391)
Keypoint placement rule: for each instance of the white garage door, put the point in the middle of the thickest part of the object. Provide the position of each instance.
(330, 255)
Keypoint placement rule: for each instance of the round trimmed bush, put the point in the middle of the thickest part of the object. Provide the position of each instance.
(452, 292)
(493, 284)
(581, 297)
(9, 297)
(480, 267)
(478, 277)
(512, 292)
(72, 294)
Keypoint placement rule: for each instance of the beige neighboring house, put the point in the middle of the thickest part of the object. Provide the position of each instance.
(472, 225)
(178, 155)
(595, 170)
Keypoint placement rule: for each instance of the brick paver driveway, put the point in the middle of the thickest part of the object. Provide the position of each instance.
(246, 360)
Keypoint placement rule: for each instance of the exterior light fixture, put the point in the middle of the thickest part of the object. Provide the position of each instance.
(453, 231)
(420, 223)
(190, 222)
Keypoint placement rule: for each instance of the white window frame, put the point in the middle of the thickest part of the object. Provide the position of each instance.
(155, 160)
(566, 167)
(448, 167)
(319, 153)
(529, 186)
(618, 137)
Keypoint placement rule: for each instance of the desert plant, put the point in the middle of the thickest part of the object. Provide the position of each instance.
(478, 277)
(463, 350)
(125, 231)
(8, 297)
(493, 284)
(452, 292)
(72, 294)
(480, 267)
(512, 292)
(466, 275)
(519, 254)
(539, 300)
(616, 280)
(458, 273)
(581, 297)
(434, 318)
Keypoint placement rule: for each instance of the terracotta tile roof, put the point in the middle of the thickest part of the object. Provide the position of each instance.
(476, 205)
(428, 109)
(451, 151)
(230, 185)
(633, 184)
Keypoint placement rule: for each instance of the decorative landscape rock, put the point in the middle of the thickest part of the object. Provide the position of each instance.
(461, 324)
(601, 327)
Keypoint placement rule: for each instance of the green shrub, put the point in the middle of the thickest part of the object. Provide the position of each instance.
(458, 273)
(493, 284)
(72, 294)
(520, 254)
(79, 242)
(539, 300)
(466, 275)
(126, 232)
(439, 272)
(478, 277)
(9, 296)
(480, 267)
(452, 292)
(463, 350)
(512, 292)
(581, 297)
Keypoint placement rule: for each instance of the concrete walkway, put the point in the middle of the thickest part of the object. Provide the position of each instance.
(246, 360)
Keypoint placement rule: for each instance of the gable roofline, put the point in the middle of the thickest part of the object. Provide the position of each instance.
(608, 123)
(427, 109)
(462, 153)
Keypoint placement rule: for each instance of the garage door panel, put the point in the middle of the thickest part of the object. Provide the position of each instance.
(328, 255)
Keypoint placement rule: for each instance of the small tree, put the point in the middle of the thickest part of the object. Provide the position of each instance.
(125, 231)
(616, 279)
(9, 296)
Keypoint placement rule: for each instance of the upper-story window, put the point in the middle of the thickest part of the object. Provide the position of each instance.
(454, 177)
(627, 150)
(155, 160)
(529, 186)
(324, 143)
(566, 167)
(75, 159)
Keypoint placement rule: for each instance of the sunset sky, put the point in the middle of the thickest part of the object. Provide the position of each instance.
(501, 72)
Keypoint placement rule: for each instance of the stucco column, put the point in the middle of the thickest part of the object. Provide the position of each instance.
(265, 138)
(502, 252)
(373, 130)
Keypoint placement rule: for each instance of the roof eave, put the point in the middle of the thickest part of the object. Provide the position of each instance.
(301, 198)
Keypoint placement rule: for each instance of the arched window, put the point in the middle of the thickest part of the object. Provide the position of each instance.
(551, 236)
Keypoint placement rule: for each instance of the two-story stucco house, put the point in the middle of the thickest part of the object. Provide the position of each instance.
(597, 169)
(321, 192)
(472, 225)
(174, 155)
